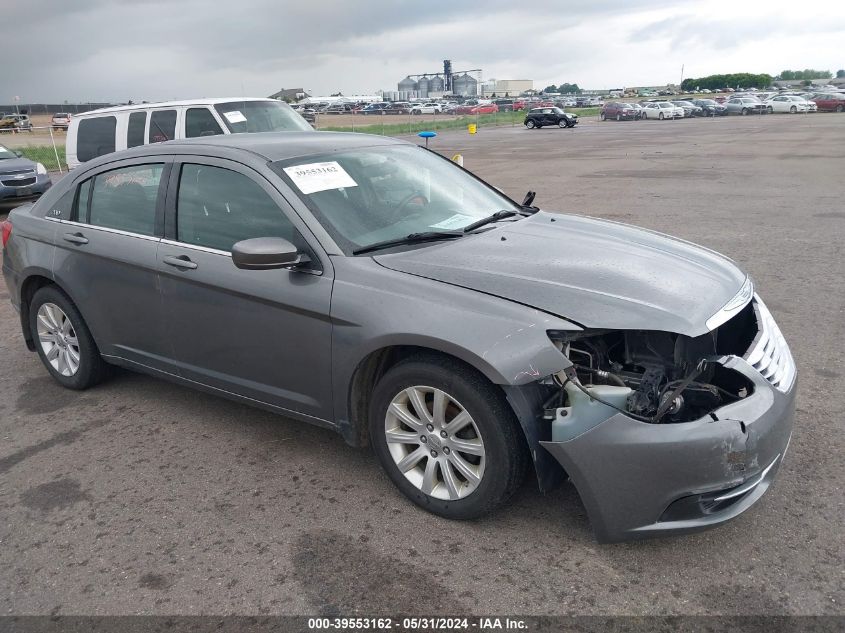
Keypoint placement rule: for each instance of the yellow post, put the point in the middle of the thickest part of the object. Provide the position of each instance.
(472, 127)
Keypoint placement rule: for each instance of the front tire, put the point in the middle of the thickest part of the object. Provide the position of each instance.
(840, 108)
(744, 111)
(63, 341)
(530, 124)
(618, 117)
(770, 110)
(446, 437)
(660, 116)
(562, 123)
(793, 110)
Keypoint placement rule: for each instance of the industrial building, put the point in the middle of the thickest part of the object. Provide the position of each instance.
(503, 87)
(435, 85)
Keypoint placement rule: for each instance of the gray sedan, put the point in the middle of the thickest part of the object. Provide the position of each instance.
(21, 179)
(374, 288)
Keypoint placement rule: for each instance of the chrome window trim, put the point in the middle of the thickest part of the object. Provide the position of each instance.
(105, 229)
(195, 247)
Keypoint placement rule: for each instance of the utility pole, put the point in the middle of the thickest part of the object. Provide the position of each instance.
(682, 77)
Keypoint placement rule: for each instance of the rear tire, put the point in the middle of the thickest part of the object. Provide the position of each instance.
(499, 457)
(603, 116)
(770, 110)
(840, 108)
(62, 337)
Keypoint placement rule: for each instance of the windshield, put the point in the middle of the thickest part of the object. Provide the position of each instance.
(382, 193)
(261, 116)
(6, 153)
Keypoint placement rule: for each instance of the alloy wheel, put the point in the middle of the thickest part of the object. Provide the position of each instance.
(58, 339)
(435, 443)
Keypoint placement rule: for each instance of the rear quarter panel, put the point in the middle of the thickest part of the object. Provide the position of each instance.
(30, 250)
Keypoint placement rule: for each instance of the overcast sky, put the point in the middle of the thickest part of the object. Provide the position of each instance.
(115, 50)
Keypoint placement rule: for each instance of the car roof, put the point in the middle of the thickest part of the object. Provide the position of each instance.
(172, 104)
(271, 146)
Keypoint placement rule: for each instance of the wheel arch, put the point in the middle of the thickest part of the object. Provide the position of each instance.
(524, 401)
(31, 284)
(375, 364)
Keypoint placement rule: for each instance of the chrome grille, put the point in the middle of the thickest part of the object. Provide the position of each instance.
(22, 182)
(769, 354)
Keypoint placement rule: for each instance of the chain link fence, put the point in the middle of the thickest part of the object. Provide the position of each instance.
(41, 143)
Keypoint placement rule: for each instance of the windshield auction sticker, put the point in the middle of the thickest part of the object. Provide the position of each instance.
(235, 116)
(319, 177)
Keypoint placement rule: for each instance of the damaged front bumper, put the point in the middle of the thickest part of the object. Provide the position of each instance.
(639, 480)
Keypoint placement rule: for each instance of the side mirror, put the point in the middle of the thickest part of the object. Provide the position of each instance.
(265, 253)
(18, 153)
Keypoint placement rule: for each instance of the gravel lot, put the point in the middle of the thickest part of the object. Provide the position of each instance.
(144, 497)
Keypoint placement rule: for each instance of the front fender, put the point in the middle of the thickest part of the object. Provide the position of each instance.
(375, 308)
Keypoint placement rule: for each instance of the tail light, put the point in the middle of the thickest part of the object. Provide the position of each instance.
(5, 231)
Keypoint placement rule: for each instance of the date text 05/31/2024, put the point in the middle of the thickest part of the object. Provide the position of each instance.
(416, 624)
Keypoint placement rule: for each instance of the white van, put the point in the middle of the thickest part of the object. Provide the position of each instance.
(107, 130)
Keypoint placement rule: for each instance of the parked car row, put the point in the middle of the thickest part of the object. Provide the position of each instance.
(741, 104)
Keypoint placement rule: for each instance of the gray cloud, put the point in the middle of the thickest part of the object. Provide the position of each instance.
(154, 49)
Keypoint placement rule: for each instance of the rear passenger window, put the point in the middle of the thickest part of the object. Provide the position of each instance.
(200, 122)
(217, 207)
(162, 126)
(124, 199)
(135, 132)
(95, 137)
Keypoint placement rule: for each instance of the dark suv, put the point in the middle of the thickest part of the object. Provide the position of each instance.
(619, 111)
(538, 117)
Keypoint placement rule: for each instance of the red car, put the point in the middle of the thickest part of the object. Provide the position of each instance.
(476, 108)
(619, 111)
(830, 102)
(519, 104)
(485, 108)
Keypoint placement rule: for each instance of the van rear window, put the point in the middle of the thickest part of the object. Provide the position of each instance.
(95, 137)
(162, 126)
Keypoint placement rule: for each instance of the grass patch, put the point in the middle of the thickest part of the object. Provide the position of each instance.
(584, 111)
(390, 125)
(46, 156)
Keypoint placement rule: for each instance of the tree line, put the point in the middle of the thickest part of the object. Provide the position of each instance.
(564, 89)
(808, 73)
(733, 80)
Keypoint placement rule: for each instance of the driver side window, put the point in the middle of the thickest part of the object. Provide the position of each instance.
(218, 207)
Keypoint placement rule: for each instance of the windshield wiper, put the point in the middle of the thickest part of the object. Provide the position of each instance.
(499, 215)
(413, 238)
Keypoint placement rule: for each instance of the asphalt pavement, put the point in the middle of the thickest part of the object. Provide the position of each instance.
(141, 497)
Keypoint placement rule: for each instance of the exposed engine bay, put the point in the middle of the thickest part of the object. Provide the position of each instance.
(661, 377)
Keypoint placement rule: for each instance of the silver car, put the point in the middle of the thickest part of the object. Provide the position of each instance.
(374, 288)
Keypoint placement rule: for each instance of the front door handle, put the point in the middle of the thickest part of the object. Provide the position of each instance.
(179, 261)
(75, 238)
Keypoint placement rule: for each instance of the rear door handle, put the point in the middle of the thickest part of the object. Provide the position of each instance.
(179, 261)
(75, 238)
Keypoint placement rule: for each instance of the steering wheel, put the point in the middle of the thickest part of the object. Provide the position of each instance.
(398, 212)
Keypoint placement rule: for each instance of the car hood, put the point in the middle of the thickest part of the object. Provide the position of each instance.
(15, 164)
(596, 273)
